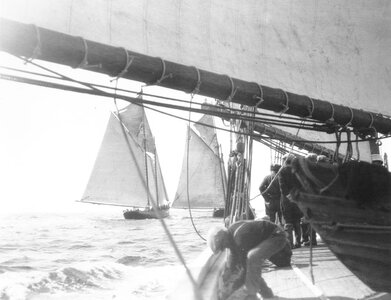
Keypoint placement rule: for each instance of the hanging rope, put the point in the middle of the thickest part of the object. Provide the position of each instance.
(187, 172)
(145, 156)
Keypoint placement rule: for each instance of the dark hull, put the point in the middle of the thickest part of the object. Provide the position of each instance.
(359, 234)
(218, 213)
(146, 214)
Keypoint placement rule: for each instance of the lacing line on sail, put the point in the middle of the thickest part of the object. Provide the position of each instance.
(163, 76)
(196, 89)
(129, 61)
(233, 90)
(310, 110)
(332, 112)
(351, 117)
(259, 97)
(37, 49)
(84, 62)
(285, 106)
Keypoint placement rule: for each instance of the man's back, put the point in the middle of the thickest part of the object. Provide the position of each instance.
(271, 192)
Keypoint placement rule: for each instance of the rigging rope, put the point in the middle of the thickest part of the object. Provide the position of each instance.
(164, 225)
(187, 172)
(137, 101)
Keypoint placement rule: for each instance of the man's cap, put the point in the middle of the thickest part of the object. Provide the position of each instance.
(275, 167)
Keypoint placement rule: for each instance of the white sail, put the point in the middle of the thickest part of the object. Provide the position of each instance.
(206, 175)
(332, 50)
(120, 175)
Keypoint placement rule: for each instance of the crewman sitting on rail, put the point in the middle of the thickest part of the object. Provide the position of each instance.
(249, 244)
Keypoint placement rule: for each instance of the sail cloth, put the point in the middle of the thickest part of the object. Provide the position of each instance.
(331, 50)
(206, 174)
(119, 176)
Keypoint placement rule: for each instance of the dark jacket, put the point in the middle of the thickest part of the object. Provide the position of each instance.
(272, 194)
(287, 181)
(245, 235)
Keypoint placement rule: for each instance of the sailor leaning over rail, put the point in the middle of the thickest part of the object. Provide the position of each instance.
(249, 244)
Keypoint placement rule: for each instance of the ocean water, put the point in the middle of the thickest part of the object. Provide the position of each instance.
(96, 255)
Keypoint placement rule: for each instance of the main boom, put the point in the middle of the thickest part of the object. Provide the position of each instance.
(35, 42)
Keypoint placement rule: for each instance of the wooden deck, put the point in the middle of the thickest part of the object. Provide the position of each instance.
(328, 279)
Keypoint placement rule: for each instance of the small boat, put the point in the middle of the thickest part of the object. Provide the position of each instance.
(203, 181)
(127, 170)
(350, 208)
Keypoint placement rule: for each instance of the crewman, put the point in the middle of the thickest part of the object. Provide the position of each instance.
(270, 190)
(249, 244)
(290, 211)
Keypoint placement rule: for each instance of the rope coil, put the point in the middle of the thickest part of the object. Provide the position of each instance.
(129, 61)
(286, 105)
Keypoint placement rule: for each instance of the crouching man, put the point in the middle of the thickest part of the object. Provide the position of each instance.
(250, 243)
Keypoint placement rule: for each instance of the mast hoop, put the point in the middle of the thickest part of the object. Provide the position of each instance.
(84, 62)
(37, 51)
(286, 105)
(196, 89)
(259, 97)
(129, 61)
(310, 110)
(233, 89)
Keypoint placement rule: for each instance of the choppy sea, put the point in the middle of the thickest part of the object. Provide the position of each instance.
(95, 255)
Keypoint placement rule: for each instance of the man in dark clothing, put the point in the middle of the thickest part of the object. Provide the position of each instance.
(250, 243)
(290, 211)
(270, 190)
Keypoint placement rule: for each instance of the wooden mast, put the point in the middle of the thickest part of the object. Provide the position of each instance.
(35, 42)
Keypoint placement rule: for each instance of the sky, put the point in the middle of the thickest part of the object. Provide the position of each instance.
(50, 139)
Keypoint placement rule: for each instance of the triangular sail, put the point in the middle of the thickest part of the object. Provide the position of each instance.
(122, 170)
(206, 174)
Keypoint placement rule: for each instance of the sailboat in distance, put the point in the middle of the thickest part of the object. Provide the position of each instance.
(202, 182)
(127, 170)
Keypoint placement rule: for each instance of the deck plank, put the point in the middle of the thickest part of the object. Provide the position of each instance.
(328, 279)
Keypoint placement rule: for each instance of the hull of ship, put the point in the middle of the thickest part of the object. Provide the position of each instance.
(218, 213)
(359, 235)
(146, 214)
